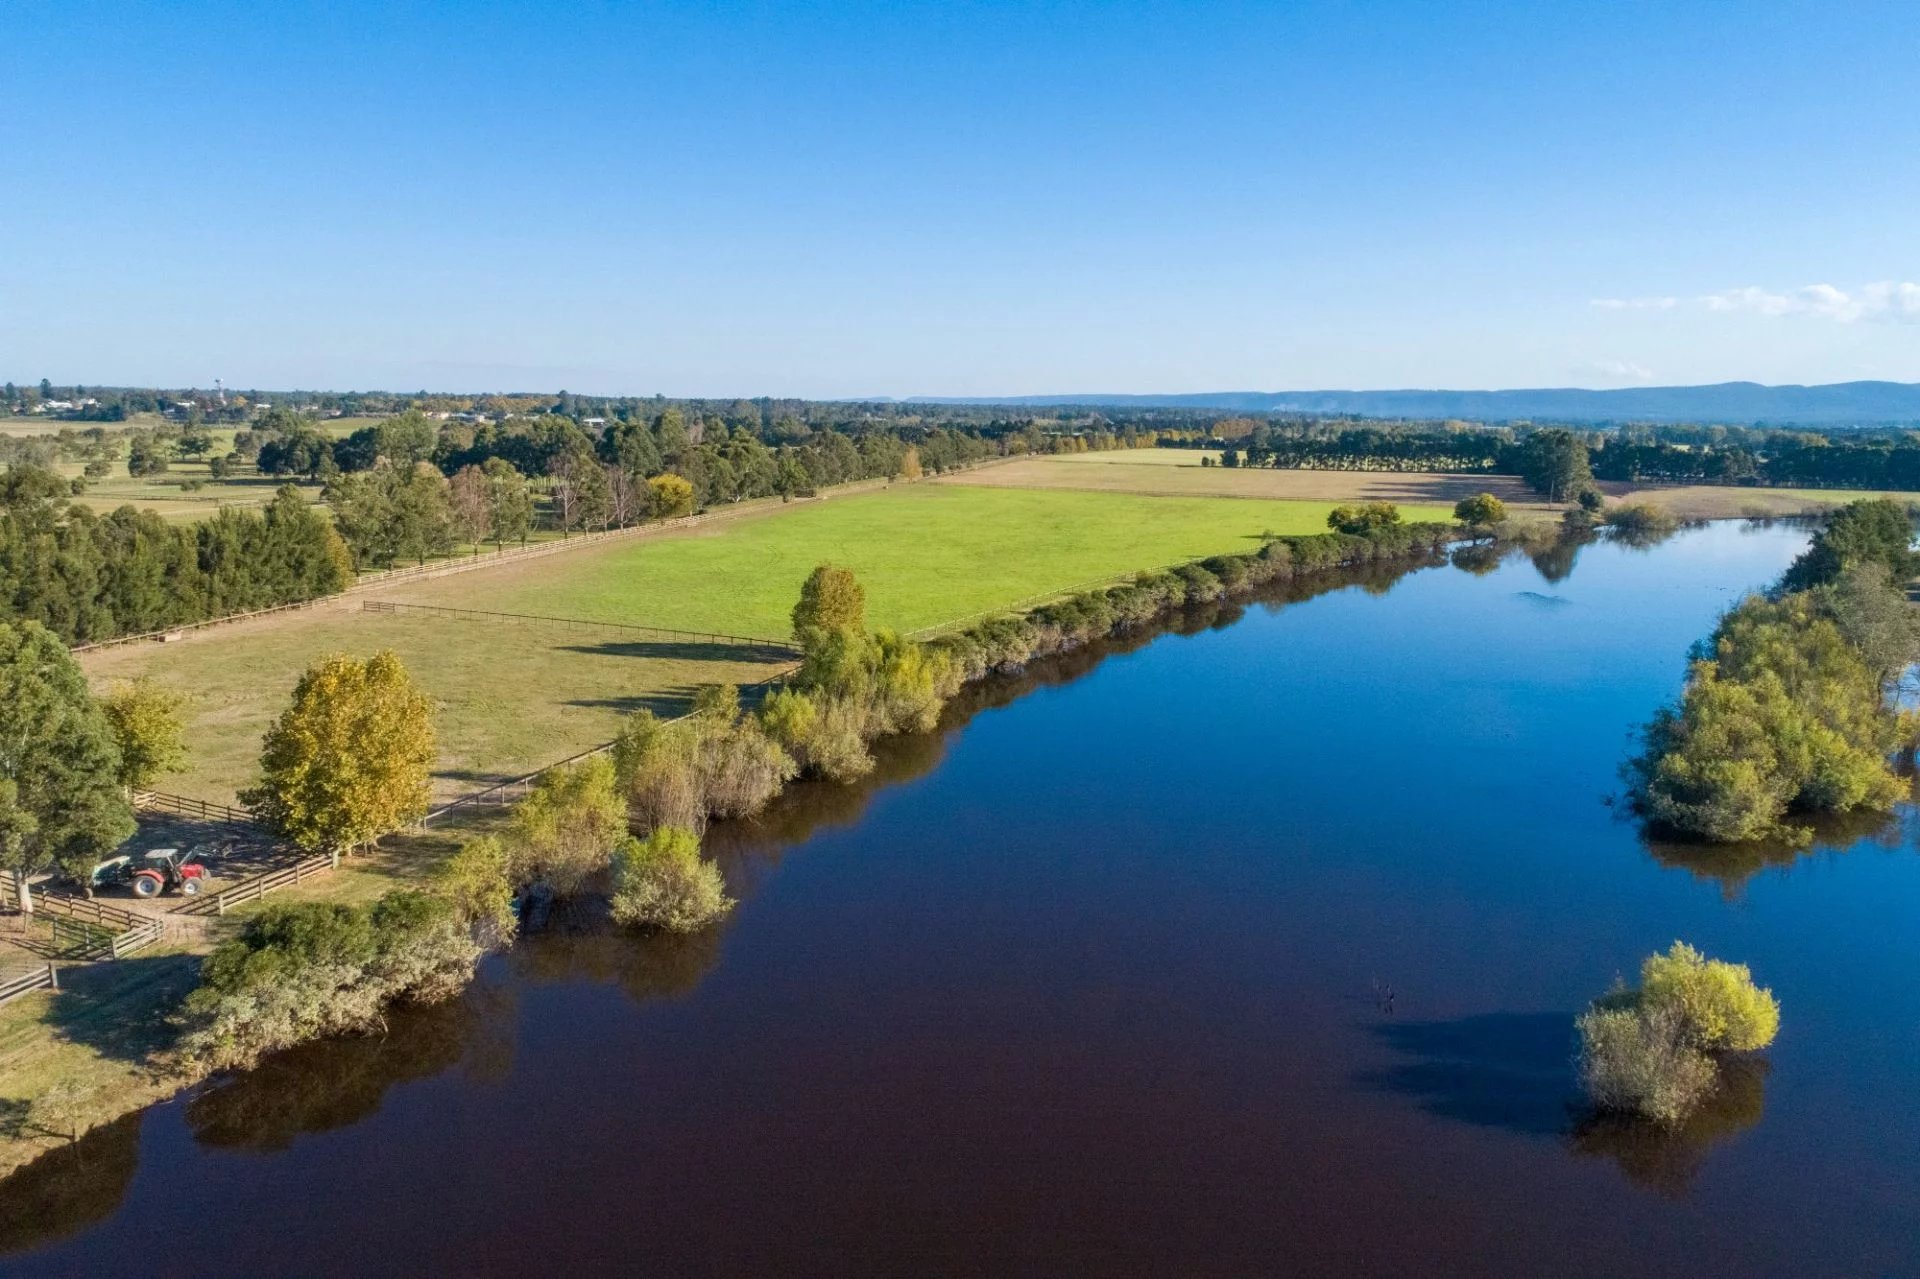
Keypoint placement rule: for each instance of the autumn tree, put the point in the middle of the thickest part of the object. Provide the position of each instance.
(566, 830)
(144, 717)
(669, 496)
(349, 761)
(61, 801)
(1481, 511)
(831, 599)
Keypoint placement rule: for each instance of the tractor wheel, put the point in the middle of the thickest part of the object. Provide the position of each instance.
(146, 886)
(190, 886)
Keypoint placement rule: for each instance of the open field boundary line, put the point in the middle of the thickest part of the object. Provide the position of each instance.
(481, 614)
(468, 563)
(516, 789)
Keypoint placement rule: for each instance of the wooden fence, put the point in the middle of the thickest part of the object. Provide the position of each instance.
(781, 647)
(188, 806)
(47, 978)
(111, 932)
(252, 890)
(512, 792)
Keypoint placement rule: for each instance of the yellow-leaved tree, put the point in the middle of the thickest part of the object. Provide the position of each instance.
(349, 760)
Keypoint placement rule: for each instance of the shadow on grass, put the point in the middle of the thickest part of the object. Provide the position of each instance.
(684, 651)
(665, 703)
(1512, 1071)
(123, 1009)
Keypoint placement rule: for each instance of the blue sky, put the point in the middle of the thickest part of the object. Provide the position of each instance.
(898, 199)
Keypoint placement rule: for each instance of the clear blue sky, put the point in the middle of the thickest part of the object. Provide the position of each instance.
(953, 198)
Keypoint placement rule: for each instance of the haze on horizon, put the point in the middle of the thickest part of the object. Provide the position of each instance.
(924, 199)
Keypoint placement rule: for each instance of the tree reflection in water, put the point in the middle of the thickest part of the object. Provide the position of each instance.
(70, 1187)
(1734, 866)
(334, 1083)
(1667, 1157)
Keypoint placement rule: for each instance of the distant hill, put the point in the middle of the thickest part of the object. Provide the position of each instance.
(1836, 404)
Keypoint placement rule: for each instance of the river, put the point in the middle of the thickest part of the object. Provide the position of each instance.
(1251, 949)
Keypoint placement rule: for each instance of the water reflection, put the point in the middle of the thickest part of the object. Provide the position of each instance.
(645, 966)
(1734, 866)
(1666, 1157)
(70, 1187)
(338, 1082)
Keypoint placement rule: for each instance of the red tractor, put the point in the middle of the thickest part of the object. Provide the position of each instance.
(155, 872)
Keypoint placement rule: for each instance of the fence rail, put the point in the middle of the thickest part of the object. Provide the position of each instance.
(111, 932)
(40, 979)
(188, 806)
(509, 792)
(783, 647)
(248, 890)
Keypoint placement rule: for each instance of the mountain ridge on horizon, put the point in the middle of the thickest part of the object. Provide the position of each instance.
(1861, 403)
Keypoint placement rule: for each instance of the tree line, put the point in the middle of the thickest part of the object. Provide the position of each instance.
(1789, 709)
(89, 577)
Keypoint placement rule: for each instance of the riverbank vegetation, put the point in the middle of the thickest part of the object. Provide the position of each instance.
(300, 972)
(1654, 1050)
(1789, 707)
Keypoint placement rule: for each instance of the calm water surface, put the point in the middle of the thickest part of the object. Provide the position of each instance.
(1095, 981)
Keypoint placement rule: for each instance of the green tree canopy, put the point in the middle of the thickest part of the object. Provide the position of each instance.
(831, 599)
(61, 802)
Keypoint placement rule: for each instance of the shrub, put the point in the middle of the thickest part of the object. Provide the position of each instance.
(1364, 519)
(566, 830)
(299, 972)
(1642, 519)
(663, 882)
(1654, 1051)
(477, 881)
(1638, 1060)
(1481, 511)
(1722, 1008)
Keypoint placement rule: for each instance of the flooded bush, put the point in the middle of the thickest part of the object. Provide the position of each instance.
(565, 831)
(713, 763)
(663, 882)
(1638, 1060)
(1654, 1050)
(477, 881)
(300, 972)
(1642, 520)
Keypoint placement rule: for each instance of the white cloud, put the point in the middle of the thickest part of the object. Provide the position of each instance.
(1620, 370)
(1636, 304)
(1886, 301)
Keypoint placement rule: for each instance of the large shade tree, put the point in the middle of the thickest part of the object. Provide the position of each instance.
(61, 801)
(349, 761)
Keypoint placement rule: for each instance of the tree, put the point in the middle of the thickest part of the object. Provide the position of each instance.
(663, 882)
(1363, 520)
(1481, 511)
(349, 760)
(61, 802)
(144, 717)
(1554, 461)
(509, 504)
(1877, 531)
(669, 496)
(148, 456)
(468, 496)
(831, 599)
(566, 830)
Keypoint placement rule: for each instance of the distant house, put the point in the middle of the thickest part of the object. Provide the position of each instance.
(593, 421)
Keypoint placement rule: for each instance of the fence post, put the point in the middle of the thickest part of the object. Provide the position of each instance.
(53, 976)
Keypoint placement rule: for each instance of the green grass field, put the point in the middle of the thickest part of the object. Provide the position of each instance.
(927, 553)
(508, 697)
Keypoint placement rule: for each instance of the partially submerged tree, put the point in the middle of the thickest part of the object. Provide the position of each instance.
(350, 760)
(61, 799)
(1654, 1050)
(565, 831)
(663, 882)
(1481, 512)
